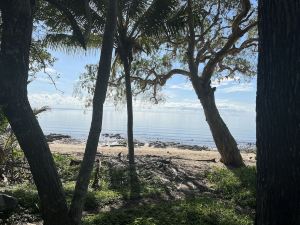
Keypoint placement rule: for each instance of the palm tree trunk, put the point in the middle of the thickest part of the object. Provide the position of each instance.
(278, 115)
(86, 168)
(133, 177)
(14, 64)
(127, 68)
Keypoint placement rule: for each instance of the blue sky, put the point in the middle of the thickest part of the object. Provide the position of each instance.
(230, 95)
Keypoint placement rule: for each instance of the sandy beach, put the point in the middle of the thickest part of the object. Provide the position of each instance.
(190, 157)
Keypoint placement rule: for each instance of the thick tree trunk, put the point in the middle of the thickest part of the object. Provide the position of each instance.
(96, 124)
(278, 115)
(225, 142)
(37, 152)
(14, 63)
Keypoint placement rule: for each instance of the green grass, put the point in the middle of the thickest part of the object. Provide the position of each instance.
(65, 171)
(234, 189)
(237, 185)
(199, 211)
(26, 194)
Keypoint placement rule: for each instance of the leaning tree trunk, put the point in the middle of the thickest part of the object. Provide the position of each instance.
(86, 168)
(278, 115)
(225, 142)
(14, 64)
(37, 152)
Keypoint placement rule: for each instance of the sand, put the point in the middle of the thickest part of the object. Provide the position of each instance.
(188, 156)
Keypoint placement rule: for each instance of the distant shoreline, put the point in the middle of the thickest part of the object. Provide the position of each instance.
(116, 140)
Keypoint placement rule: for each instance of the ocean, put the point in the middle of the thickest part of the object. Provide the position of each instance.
(167, 125)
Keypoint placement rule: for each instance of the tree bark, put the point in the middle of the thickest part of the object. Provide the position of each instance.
(127, 67)
(14, 64)
(225, 142)
(86, 168)
(125, 50)
(278, 115)
(33, 143)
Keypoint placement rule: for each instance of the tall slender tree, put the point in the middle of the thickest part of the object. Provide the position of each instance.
(139, 23)
(132, 27)
(104, 68)
(278, 115)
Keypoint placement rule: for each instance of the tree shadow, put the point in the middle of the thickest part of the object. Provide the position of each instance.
(134, 183)
(125, 180)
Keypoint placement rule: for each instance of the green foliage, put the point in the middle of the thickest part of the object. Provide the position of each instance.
(40, 60)
(94, 198)
(65, 171)
(237, 185)
(204, 211)
(26, 194)
(233, 204)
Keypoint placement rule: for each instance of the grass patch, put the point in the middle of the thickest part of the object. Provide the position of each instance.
(235, 188)
(65, 171)
(26, 194)
(237, 185)
(94, 198)
(204, 211)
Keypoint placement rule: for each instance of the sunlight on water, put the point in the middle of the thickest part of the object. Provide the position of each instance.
(184, 126)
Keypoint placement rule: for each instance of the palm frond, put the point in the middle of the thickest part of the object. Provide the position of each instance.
(153, 21)
(38, 111)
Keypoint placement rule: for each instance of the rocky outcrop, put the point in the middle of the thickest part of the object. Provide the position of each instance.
(7, 203)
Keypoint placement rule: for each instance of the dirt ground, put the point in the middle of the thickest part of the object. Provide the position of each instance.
(181, 172)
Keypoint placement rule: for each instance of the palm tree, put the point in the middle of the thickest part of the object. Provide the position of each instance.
(60, 38)
(139, 25)
(137, 20)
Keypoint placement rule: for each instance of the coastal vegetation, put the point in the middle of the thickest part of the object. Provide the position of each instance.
(214, 201)
(142, 45)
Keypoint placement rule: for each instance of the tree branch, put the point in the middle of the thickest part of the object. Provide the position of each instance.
(237, 33)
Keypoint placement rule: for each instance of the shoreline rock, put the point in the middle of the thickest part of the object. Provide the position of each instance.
(117, 140)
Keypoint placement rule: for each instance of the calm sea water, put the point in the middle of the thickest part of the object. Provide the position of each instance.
(184, 126)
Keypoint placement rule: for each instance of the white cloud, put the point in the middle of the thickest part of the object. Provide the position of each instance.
(215, 83)
(54, 100)
(51, 70)
(182, 86)
(188, 104)
(243, 87)
(44, 76)
(224, 81)
(57, 100)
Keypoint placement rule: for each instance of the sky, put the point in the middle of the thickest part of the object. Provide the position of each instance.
(230, 95)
